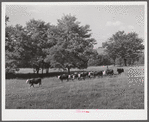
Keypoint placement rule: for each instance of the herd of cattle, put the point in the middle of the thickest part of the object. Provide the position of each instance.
(88, 74)
(78, 76)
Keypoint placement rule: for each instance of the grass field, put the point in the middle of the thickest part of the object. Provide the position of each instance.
(125, 91)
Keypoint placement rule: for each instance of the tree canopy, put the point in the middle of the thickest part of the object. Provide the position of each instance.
(74, 45)
(125, 46)
(65, 45)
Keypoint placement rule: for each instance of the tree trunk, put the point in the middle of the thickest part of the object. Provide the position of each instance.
(114, 62)
(42, 70)
(42, 66)
(34, 70)
(37, 69)
(47, 70)
(37, 72)
(132, 62)
(125, 62)
(68, 70)
(120, 62)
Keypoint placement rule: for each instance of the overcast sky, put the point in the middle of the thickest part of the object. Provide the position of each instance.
(104, 20)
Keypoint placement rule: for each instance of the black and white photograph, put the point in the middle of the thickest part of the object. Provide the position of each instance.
(74, 60)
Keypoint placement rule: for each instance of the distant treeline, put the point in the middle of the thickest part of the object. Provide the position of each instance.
(105, 60)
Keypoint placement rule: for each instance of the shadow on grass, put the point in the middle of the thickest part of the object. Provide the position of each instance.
(33, 75)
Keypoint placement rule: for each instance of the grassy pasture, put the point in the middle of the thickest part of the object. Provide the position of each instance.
(125, 91)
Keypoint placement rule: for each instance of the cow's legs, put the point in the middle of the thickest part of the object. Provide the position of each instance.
(79, 78)
(39, 83)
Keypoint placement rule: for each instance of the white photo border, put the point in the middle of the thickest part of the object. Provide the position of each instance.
(62, 114)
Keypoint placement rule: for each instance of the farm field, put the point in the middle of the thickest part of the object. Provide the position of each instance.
(125, 91)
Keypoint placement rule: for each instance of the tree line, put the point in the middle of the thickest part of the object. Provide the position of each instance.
(121, 49)
(67, 45)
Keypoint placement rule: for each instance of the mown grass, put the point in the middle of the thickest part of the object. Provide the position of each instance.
(116, 92)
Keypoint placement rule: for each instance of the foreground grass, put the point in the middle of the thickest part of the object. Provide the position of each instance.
(116, 92)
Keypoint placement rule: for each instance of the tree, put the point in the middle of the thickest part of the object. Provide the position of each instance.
(37, 31)
(125, 46)
(141, 59)
(74, 45)
(99, 59)
(6, 20)
(95, 59)
(111, 49)
(12, 47)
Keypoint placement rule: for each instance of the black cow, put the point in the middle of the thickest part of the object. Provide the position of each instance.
(90, 74)
(74, 76)
(63, 77)
(85, 74)
(82, 75)
(109, 72)
(98, 73)
(70, 77)
(34, 81)
(120, 70)
(95, 74)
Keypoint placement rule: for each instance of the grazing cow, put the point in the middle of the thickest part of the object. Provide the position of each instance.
(101, 73)
(85, 74)
(90, 74)
(74, 76)
(79, 76)
(70, 77)
(104, 72)
(109, 72)
(95, 74)
(82, 75)
(34, 81)
(63, 77)
(98, 73)
(120, 70)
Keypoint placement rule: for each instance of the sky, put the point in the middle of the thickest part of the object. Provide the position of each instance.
(104, 20)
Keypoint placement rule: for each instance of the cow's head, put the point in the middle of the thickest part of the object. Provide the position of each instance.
(104, 72)
(69, 76)
(58, 77)
(89, 73)
(27, 80)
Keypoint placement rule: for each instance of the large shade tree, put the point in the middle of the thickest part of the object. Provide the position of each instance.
(14, 51)
(124, 46)
(74, 44)
(37, 31)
